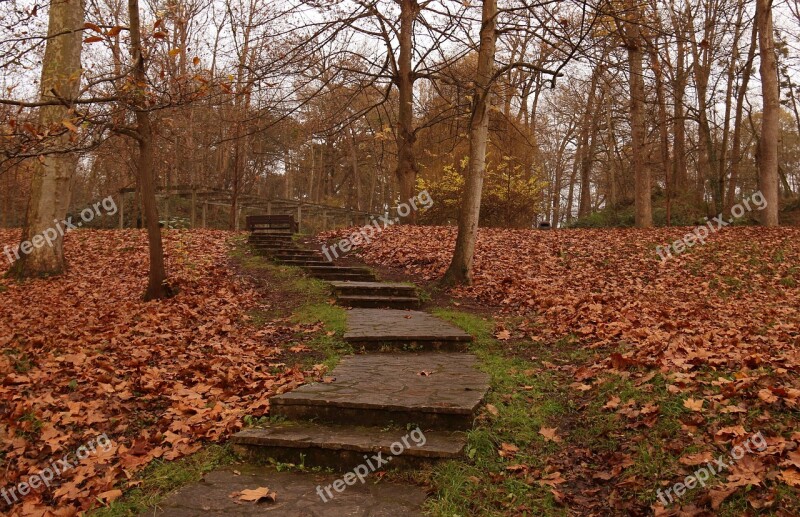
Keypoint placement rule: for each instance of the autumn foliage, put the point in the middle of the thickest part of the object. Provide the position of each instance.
(84, 355)
(719, 324)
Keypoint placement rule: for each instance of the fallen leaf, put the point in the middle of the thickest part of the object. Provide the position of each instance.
(257, 495)
(550, 434)
(693, 404)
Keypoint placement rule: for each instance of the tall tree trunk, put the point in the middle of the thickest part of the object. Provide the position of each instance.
(407, 168)
(51, 183)
(701, 67)
(460, 270)
(642, 200)
(157, 287)
(655, 63)
(680, 175)
(736, 149)
(770, 121)
(354, 164)
(729, 92)
(586, 154)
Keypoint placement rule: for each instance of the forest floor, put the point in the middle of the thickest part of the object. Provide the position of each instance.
(617, 376)
(83, 356)
(613, 375)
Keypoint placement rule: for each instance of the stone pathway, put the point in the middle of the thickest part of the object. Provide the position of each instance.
(418, 388)
(297, 496)
(386, 328)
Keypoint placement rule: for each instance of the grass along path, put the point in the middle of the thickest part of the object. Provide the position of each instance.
(556, 438)
(289, 299)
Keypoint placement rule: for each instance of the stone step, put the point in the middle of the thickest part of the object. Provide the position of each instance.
(303, 258)
(431, 390)
(271, 242)
(337, 269)
(373, 289)
(342, 277)
(295, 252)
(272, 231)
(379, 302)
(300, 494)
(288, 252)
(303, 262)
(272, 247)
(380, 329)
(344, 447)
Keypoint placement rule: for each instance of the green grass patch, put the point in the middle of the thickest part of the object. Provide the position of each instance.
(162, 477)
(526, 400)
(312, 305)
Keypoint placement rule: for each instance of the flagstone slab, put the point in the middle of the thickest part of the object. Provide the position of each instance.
(434, 390)
(297, 496)
(344, 447)
(387, 324)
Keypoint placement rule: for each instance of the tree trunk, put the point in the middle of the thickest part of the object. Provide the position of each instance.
(729, 91)
(736, 149)
(157, 287)
(644, 210)
(586, 153)
(770, 121)
(460, 270)
(680, 175)
(51, 184)
(662, 127)
(354, 164)
(407, 168)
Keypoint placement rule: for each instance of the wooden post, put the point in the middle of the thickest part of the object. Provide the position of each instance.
(166, 208)
(269, 208)
(205, 212)
(299, 217)
(121, 210)
(324, 220)
(238, 218)
(194, 207)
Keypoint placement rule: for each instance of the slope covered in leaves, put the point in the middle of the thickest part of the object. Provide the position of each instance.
(715, 331)
(83, 355)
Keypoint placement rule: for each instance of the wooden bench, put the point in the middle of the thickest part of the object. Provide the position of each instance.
(272, 223)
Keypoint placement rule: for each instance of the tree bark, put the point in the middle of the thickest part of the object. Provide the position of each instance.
(680, 175)
(586, 152)
(655, 63)
(642, 200)
(770, 121)
(157, 287)
(407, 167)
(460, 270)
(51, 183)
(736, 145)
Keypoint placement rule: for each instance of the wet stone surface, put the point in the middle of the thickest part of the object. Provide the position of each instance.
(433, 382)
(296, 496)
(396, 325)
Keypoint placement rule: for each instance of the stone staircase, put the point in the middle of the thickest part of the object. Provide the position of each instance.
(414, 376)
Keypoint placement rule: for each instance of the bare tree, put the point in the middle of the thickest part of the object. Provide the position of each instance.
(52, 173)
(157, 286)
(770, 121)
(460, 270)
